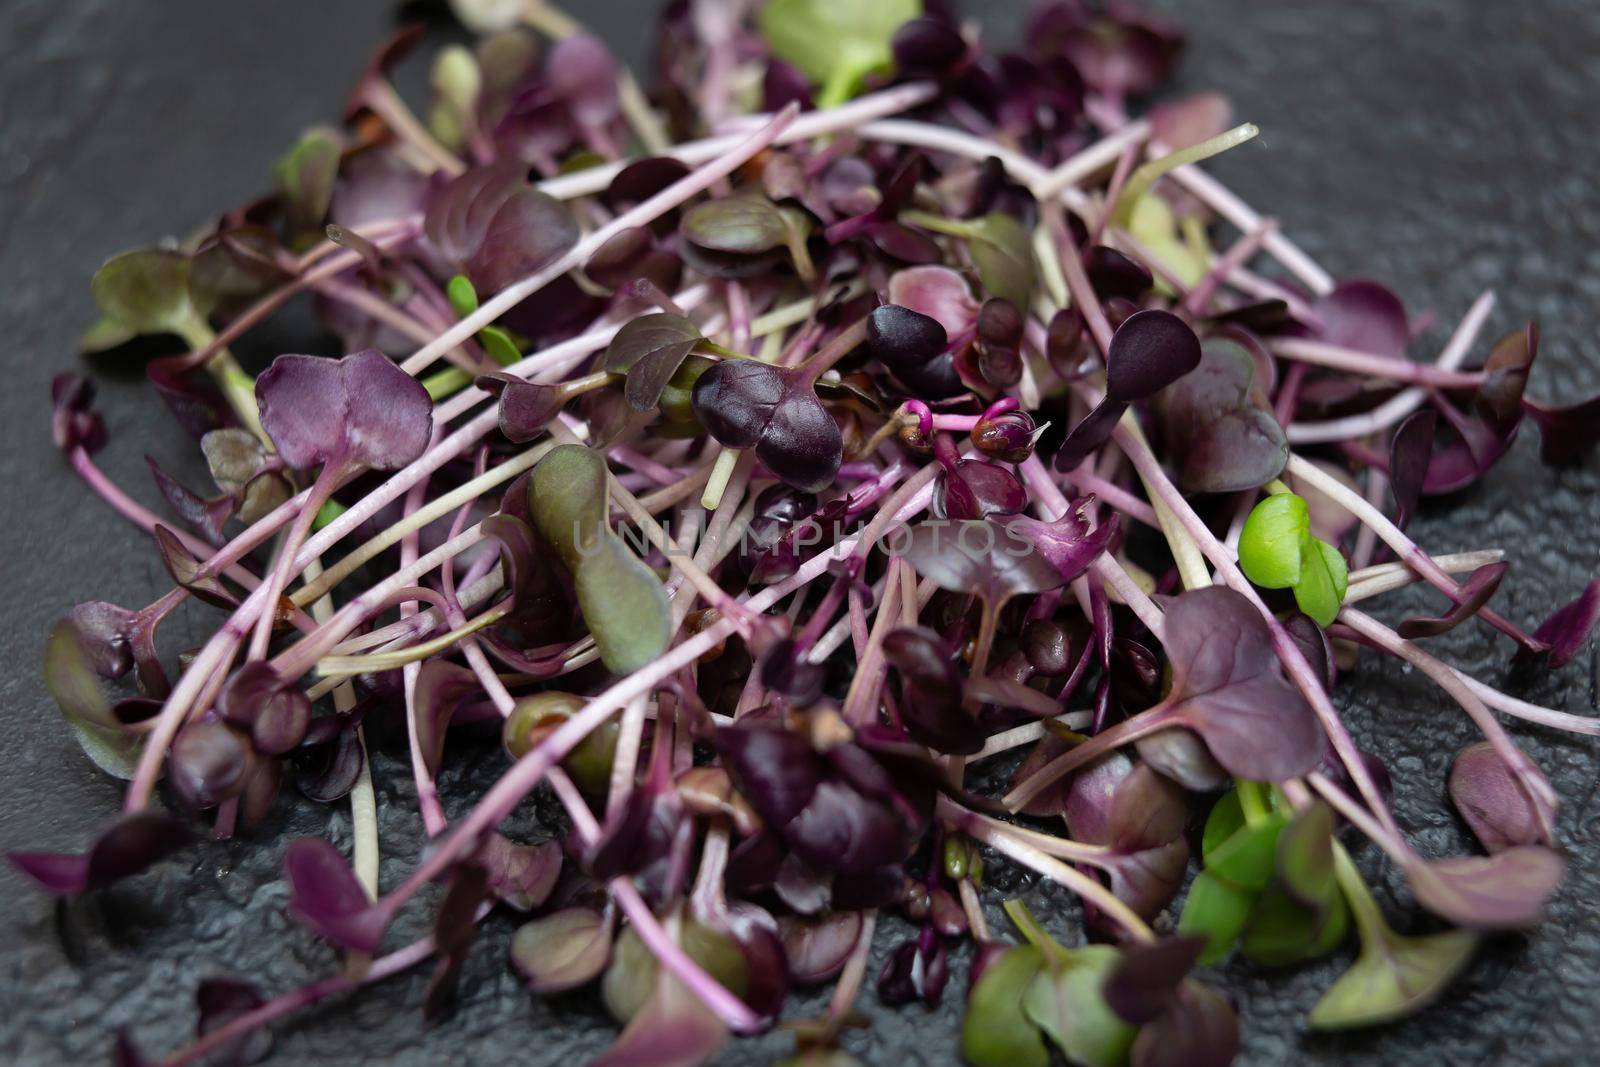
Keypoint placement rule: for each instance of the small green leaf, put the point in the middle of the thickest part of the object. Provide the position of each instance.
(1002, 252)
(457, 84)
(1215, 911)
(567, 500)
(562, 951)
(1272, 540)
(835, 43)
(462, 296)
(1156, 229)
(71, 680)
(740, 225)
(1393, 977)
(1282, 931)
(995, 1031)
(146, 291)
(1305, 855)
(306, 176)
(624, 605)
(1323, 581)
(1225, 820)
(105, 335)
(631, 978)
(1236, 851)
(501, 348)
(1066, 1002)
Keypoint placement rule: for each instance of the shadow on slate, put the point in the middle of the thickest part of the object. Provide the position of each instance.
(1438, 146)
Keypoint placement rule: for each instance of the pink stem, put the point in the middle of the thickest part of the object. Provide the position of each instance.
(1528, 776)
(278, 1007)
(1406, 401)
(1408, 550)
(1375, 366)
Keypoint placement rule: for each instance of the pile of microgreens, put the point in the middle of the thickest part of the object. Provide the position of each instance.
(860, 410)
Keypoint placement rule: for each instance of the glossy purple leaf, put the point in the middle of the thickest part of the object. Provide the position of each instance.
(126, 847)
(1566, 434)
(325, 895)
(745, 403)
(582, 71)
(279, 722)
(529, 231)
(497, 227)
(1410, 451)
(913, 348)
(1068, 544)
(801, 443)
(841, 812)
(915, 970)
(737, 398)
(375, 186)
(650, 349)
(525, 408)
(521, 876)
(1228, 687)
(1200, 1029)
(931, 691)
(776, 770)
(1505, 376)
(1143, 829)
(441, 689)
(937, 292)
(1569, 628)
(817, 949)
(1144, 983)
(361, 410)
(1089, 795)
(1150, 350)
(1505, 891)
(208, 764)
(1113, 274)
(1092, 431)
(1183, 757)
(205, 517)
(1221, 434)
(187, 571)
(642, 179)
(982, 558)
(977, 489)
(1366, 316)
(1471, 449)
(1054, 799)
(1492, 801)
(1476, 591)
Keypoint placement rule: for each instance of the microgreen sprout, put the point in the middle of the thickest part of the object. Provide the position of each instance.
(736, 516)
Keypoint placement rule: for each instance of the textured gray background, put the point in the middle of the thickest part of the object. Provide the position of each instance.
(1438, 145)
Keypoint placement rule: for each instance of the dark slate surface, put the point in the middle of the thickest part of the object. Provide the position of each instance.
(1441, 146)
